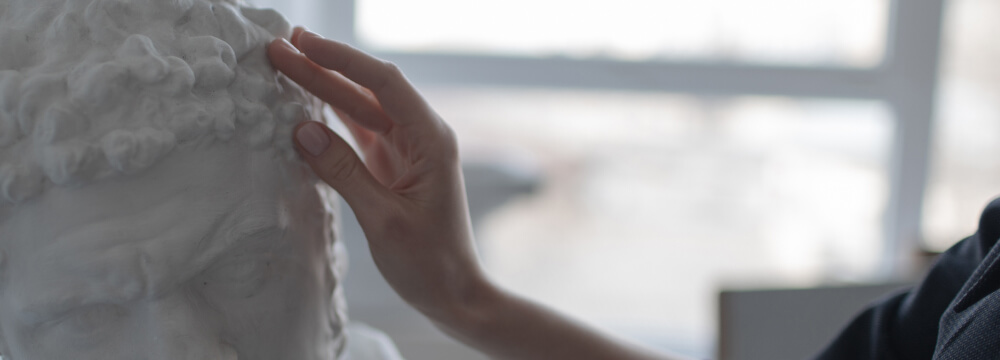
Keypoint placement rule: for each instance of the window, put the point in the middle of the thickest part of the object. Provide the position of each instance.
(965, 168)
(650, 202)
(737, 141)
(847, 33)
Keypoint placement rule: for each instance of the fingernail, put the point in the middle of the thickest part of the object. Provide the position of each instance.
(313, 138)
(284, 42)
(310, 33)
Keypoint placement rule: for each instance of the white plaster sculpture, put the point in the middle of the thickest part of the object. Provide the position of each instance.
(151, 203)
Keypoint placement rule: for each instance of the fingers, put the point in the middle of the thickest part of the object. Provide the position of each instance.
(364, 137)
(333, 160)
(330, 86)
(295, 35)
(391, 88)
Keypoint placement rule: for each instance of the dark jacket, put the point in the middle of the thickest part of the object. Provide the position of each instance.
(954, 313)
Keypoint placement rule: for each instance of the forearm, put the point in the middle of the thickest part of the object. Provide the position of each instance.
(506, 326)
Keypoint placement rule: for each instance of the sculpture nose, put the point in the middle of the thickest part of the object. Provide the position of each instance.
(178, 329)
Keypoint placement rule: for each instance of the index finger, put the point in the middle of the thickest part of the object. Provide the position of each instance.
(330, 86)
(386, 81)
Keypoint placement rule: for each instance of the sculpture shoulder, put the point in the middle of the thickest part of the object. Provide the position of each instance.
(367, 343)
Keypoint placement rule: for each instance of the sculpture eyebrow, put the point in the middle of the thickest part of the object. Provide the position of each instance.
(48, 309)
(254, 238)
(43, 311)
(243, 230)
(239, 223)
(230, 231)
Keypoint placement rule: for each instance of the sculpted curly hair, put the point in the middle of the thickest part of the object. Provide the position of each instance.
(91, 89)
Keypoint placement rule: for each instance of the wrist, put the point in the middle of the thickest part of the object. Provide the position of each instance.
(475, 311)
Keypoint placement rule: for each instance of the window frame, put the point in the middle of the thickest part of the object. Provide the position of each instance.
(906, 81)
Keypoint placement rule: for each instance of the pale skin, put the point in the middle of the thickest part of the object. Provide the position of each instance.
(409, 197)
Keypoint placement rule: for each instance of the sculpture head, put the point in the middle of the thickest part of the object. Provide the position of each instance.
(151, 205)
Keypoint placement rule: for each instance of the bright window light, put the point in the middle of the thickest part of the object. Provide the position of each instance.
(813, 32)
(649, 203)
(965, 168)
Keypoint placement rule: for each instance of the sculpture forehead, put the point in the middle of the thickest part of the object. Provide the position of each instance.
(181, 212)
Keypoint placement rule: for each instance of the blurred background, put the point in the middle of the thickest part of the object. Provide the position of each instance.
(629, 160)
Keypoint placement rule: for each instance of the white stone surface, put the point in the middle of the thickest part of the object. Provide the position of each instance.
(151, 204)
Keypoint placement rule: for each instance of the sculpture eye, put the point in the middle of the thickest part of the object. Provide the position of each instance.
(242, 271)
(87, 325)
(241, 277)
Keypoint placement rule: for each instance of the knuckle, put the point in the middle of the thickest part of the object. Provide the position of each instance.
(449, 154)
(392, 69)
(448, 144)
(311, 82)
(354, 110)
(448, 132)
(342, 167)
(391, 74)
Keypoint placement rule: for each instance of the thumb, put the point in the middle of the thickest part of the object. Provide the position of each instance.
(336, 163)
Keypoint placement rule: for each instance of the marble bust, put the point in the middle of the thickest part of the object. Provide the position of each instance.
(151, 203)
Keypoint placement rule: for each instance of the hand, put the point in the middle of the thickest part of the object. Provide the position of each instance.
(410, 201)
(410, 198)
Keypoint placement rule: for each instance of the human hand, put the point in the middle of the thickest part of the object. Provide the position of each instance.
(410, 202)
(408, 194)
